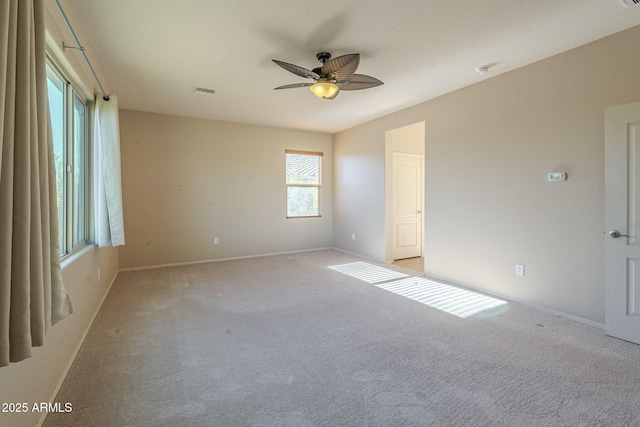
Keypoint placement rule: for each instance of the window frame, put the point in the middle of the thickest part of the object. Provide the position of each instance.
(75, 218)
(303, 185)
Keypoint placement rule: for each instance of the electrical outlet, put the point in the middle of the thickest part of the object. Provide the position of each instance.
(99, 272)
(216, 240)
(519, 269)
(353, 236)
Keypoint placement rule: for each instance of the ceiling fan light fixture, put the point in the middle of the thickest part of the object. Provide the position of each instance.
(325, 89)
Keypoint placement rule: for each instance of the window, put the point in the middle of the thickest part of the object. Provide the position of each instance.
(69, 127)
(304, 181)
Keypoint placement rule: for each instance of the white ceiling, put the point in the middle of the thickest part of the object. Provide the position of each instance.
(152, 53)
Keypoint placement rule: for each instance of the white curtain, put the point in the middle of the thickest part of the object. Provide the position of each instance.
(109, 225)
(32, 295)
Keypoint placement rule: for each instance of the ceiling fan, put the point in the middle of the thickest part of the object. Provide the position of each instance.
(333, 76)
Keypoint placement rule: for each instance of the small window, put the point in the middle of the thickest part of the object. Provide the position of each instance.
(304, 182)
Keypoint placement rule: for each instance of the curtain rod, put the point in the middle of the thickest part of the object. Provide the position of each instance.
(81, 49)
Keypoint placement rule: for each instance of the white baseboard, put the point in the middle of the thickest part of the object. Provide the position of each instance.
(206, 261)
(524, 303)
(360, 256)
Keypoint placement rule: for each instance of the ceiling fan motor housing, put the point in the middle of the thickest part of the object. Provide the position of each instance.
(323, 57)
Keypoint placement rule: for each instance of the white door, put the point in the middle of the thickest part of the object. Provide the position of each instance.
(407, 205)
(622, 222)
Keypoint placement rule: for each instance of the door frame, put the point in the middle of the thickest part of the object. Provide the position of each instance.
(408, 139)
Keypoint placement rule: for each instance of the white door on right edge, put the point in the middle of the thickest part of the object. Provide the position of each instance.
(622, 222)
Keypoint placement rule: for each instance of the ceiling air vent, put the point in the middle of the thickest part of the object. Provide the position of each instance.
(631, 3)
(210, 92)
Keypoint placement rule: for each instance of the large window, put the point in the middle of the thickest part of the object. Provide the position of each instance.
(69, 126)
(304, 181)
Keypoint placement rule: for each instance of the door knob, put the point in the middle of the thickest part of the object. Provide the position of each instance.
(615, 234)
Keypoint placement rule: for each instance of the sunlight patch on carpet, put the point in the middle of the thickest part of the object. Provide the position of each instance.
(368, 272)
(450, 299)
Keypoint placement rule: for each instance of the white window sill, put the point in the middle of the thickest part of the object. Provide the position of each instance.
(69, 259)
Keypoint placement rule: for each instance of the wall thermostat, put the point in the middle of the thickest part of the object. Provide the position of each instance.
(557, 176)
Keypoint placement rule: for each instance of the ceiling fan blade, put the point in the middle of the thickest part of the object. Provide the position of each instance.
(343, 66)
(296, 69)
(292, 86)
(359, 81)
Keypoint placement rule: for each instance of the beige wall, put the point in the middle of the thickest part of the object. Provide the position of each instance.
(489, 148)
(186, 181)
(35, 380)
(358, 199)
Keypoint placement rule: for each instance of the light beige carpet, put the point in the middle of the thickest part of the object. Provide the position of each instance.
(287, 341)
(416, 264)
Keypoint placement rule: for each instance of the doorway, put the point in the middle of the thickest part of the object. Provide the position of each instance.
(404, 194)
